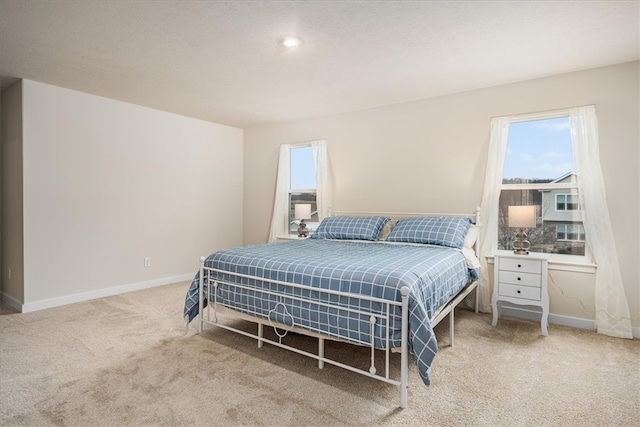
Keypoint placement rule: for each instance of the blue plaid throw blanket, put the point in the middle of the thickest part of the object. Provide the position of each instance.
(433, 274)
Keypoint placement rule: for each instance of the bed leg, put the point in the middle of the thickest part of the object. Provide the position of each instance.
(201, 296)
(477, 298)
(451, 323)
(260, 335)
(404, 346)
(320, 352)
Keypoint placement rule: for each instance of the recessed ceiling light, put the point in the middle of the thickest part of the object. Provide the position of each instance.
(290, 42)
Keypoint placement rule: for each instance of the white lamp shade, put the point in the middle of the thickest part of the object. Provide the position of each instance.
(522, 216)
(302, 211)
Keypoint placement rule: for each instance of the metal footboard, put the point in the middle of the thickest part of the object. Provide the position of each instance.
(208, 289)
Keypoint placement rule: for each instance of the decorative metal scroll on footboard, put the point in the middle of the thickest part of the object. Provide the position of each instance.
(283, 295)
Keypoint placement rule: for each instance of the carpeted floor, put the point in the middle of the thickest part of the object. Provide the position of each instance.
(127, 360)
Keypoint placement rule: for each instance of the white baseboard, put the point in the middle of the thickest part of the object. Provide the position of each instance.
(573, 322)
(86, 296)
(524, 313)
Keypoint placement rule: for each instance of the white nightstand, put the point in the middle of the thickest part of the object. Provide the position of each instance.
(522, 280)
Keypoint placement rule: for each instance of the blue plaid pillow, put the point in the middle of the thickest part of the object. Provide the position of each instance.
(437, 230)
(350, 228)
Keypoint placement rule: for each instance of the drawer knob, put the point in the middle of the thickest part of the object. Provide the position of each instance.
(518, 278)
(519, 265)
(518, 290)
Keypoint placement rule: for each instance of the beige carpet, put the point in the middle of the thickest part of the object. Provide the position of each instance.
(127, 360)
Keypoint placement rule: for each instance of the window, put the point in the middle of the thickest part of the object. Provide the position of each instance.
(571, 232)
(539, 171)
(301, 179)
(567, 202)
(302, 186)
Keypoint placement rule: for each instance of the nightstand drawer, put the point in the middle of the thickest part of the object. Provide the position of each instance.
(524, 265)
(516, 291)
(518, 278)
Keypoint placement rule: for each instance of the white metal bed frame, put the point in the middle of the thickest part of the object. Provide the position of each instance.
(214, 308)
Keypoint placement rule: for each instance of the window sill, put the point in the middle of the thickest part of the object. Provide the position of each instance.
(580, 267)
(290, 237)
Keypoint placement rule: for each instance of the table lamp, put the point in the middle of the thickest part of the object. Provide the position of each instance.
(302, 211)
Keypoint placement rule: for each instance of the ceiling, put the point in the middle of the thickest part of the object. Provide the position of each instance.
(220, 60)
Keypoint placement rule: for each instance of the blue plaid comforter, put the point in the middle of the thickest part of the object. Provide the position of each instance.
(433, 274)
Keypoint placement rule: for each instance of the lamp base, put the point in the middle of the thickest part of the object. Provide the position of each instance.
(303, 231)
(520, 244)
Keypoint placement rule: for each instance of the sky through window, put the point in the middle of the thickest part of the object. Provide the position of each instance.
(539, 150)
(303, 170)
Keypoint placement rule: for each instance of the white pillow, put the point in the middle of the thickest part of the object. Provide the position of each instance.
(470, 256)
(471, 236)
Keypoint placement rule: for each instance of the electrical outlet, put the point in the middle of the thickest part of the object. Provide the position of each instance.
(147, 262)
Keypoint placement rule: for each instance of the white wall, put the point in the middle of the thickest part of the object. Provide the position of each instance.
(107, 184)
(430, 156)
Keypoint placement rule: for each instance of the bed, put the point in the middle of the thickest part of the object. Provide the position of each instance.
(377, 280)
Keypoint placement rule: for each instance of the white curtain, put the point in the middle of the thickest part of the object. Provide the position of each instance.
(322, 185)
(612, 310)
(489, 206)
(280, 218)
